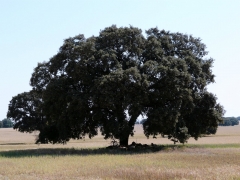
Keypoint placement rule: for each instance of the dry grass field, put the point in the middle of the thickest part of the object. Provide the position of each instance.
(211, 157)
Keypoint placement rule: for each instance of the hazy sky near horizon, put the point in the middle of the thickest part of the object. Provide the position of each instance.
(33, 31)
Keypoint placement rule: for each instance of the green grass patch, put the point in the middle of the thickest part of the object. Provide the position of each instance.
(213, 145)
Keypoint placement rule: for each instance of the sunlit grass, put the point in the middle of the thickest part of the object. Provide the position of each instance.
(170, 163)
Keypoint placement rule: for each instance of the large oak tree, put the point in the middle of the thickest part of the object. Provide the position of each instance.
(108, 81)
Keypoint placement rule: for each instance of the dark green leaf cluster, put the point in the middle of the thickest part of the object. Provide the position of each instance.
(108, 81)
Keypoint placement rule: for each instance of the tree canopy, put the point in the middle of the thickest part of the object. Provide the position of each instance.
(6, 123)
(108, 81)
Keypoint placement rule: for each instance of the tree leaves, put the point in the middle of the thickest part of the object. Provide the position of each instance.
(107, 81)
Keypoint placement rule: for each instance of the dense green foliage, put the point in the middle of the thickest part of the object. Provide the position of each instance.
(108, 81)
(229, 121)
(210, 130)
(6, 123)
(25, 110)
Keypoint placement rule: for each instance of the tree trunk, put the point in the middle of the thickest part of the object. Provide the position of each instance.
(124, 141)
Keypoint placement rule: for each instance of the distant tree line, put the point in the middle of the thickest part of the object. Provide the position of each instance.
(6, 123)
(227, 121)
(230, 121)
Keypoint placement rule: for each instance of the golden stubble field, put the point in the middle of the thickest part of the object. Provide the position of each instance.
(12, 139)
(211, 157)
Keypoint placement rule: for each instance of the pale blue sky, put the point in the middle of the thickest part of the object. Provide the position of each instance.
(31, 31)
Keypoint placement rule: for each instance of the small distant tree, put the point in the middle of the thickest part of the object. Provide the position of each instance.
(137, 122)
(7, 123)
(234, 121)
(237, 123)
(229, 121)
(142, 121)
(1, 125)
